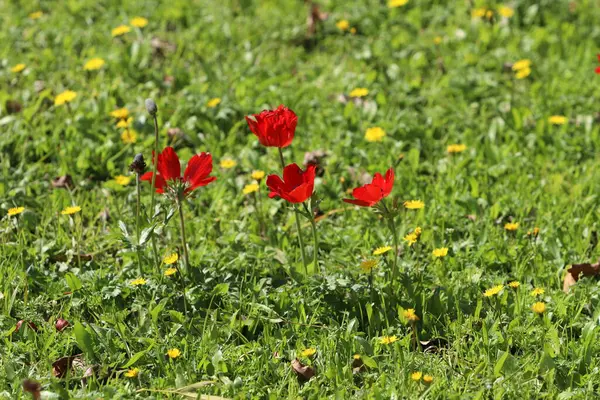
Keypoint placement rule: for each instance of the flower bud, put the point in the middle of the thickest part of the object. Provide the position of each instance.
(61, 324)
(151, 107)
(138, 165)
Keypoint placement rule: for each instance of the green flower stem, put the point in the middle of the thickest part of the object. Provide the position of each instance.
(137, 220)
(392, 226)
(313, 224)
(185, 253)
(154, 168)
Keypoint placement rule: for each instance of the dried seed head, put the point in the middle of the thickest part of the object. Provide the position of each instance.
(151, 107)
(138, 165)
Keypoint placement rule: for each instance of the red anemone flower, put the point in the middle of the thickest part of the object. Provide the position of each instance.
(297, 185)
(370, 194)
(598, 68)
(274, 128)
(169, 172)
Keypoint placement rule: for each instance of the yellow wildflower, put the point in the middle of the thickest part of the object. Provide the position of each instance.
(125, 123)
(410, 315)
(493, 291)
(65, 97)
(367, 265)
(414, 204)
(228, 163)
(36, 15)
(411, 238)
(94, 64)
(353, 30)
(308, 352)
(388, 339)
(343, 25)
(381, 250)
(18, 68)
(120, 30)
(258, 175)
(173, 353)
(171, 259)
(375, 134)
(506, 12)
(122, 180)
(139, 22)
(71, 210)
(138, 282)
(514, 284)
(359, 92)
(558, 120)
(538, 307)
(356, 356)
(170, 271)
(129, 136)
(523, 73)
(397, 3)
(15, 211)
(212, 103)
(521, 64)
(132, 372)
(416, 376)
(250, 188)
(120, 113)
(537, 292)
(427, 379)
(534, 233)
(437, 40)
(456, 148)
(441, 252)
(511, 226)
(478, 12)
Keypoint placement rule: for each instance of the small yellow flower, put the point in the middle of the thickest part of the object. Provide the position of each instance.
(478, 12)
(427, 379)
(506, 12)
(414, 204)
(125, 123)
(120, 113)
(308, 352)
(514, 284)
(120, 30)
(227, 163)
(523, 73)
(258, 175)
(558, 120)
(416, 376)
(375, 134)
(359, 92)
(353, 30)
(534, 233)
(441, 252)
(171, 259)
(537, 292)
(411, 238)
(511, 226)
(65, 97)
(410, 315)
(138, 282)
(173, 353)
(212, 103)
(489, 14)
(71, 210)
(381, 250)
(36, 15)
(122, 180)
(94, 64)
(456, 148)
(521, 64)
(493, 291)
(132, 373)
(129, 136)
(250, 188)
(367, 265)
(18, 68)
(170, 271)
(397, 3)
(343, 25)
(356, 356)
(538, 307)
(388, 339)
(139, 22)
(437, 40)
(15, 211)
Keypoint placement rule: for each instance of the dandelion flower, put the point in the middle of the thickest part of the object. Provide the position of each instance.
(227, 163)
(18, 68)
(71, 210)
(558, 120)
(173, 353)
(250, 188)
(456, 148)
(65, 97)
(120, 30)
(538, 307)
(15, 211)
(343, 25)
(125, 123)
(494, 290)
(129, 136)
(381, 250)
(139, 22)
(308, 352)
(375, 134)
(410, 315)
(138, 282)
(120, 113)
(511, 226)
(537, 292)
(414, 204)
(506, 12)
(170, 271)
(36, 15)
(122, 180)
(388, 339)
(411, 238)
(441, 252)
(397, 3)
(478, 13)
(523, 73)
(534, 233)
(212, 103)
(359, 92)
(132, 372)
(94, 64)
(514, 284)
(356, 356)
(416, 376)
(258, 175)
(367, 265)
(437, 40)
(171, 259)
(521, 64)
(427, 379)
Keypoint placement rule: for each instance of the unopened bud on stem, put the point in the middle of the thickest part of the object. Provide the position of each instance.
(138, 165)
(151, 107)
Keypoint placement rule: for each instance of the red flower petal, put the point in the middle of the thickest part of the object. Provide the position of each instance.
(389, 182)
(198, 168)
(159, 183)
(598, 70)
(359, 202)
(168, 164)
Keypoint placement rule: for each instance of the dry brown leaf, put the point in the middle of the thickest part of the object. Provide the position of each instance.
(13, 106)
(73, 366)
(304, 372)
(576, 270)
(64, 181)
(33, 387)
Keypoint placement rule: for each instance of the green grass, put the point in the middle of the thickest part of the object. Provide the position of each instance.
(252, 308)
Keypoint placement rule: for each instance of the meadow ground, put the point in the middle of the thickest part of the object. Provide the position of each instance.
(485, 111)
